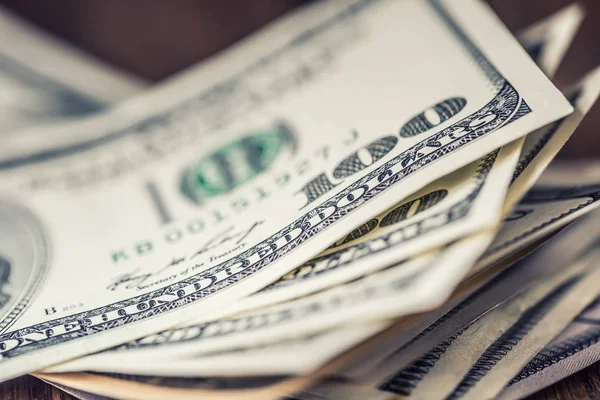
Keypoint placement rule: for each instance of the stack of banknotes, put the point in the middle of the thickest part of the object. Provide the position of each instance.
(355, 202)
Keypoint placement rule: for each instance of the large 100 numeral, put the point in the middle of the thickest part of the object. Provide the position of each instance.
(395, 215)
(376, 150)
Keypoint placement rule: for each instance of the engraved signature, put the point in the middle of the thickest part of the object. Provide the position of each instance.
(139, 280)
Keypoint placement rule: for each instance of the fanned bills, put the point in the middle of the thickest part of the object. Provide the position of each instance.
(481, 345)
(463, 203)
(541, 147)
(383, 295)
(132, 387)
(403, 374)
(576, 348)
(317, 159)
(358, 201)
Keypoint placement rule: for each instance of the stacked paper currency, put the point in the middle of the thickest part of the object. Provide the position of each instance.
(355, 202)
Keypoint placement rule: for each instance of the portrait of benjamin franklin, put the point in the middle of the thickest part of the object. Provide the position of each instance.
(4, 276)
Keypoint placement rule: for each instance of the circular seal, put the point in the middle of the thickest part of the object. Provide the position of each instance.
(24, 258)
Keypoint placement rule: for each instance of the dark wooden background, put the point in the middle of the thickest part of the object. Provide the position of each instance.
(155, 38)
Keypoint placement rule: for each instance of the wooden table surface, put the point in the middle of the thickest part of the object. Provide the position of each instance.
(83, 23)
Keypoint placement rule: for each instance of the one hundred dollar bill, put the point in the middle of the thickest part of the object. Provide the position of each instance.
(264, 326)
(460, 363)
(44, 80)
(457, 205)
(421, 334)
(413, 219)
(363, 258)
(546, 42)
(551, 204)
(461, 197)
(547, 214)
(122, 386)
(285, 358)
(401, 289)
(574, 349)
(255, 162)
(401, 346)
(541, 146)
(298, 355)
(473, 362)
(529, 335)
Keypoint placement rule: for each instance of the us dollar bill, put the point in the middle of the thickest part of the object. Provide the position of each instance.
(298, 355)
(541, 146)
(290, 357)
(261, 325)
(548, 211)
(475, 296)
(537, 333)
(462, 196)
(415, 285)
(293, 356)
(409, 382)
(478, 361)
(457, 205)
(168, 154)
(44, 80)
(572, 350)
(557, 199)
(362, 251)
(122, 386)
(447, 194)
(547, 42)
(430, 329)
